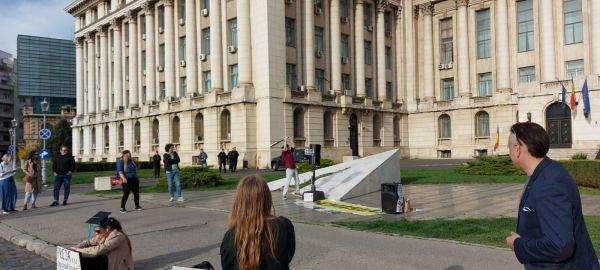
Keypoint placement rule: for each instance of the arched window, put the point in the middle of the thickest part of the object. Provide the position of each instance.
(376, 130)
(175, 130)
(396, 131)
(299, 123)
(225, 125)
(81, 141)
(199, 128)
(155, 132)
(137, 133)
(106, 137)
(482, 124)
(120, 134)
(444, 127)
(93, 138)
(328, 128)
(558, 124)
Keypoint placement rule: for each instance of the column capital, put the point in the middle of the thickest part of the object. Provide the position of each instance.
(78, 41)
(168, 2)
(426, 9)
(101, 29)
(89, 37)
(399, 12)
(115, 24)
(131, 16)
(416, 12)
(382, 5)
(148, 7)
(462, 3)
(359, 2)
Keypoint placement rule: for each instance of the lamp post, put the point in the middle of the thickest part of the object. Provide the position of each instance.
(45, 106)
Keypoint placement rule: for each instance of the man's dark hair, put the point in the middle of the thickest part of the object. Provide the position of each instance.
(533, 136)
(168, 146)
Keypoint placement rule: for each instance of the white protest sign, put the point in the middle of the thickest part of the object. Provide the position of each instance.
(67, 259)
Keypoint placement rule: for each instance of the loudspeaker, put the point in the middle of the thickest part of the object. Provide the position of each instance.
(392, 198)
(315, 159)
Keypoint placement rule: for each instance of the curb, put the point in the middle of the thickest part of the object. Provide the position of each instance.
(28, 242)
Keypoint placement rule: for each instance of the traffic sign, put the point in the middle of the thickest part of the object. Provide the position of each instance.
(10, 148)
(45, 133)
(44, 154)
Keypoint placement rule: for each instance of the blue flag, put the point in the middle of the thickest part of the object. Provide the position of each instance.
(586, 99)
(564, 96)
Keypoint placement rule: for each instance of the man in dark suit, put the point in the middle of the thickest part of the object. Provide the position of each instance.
(551, 232)
(222, 157)
(233, 159)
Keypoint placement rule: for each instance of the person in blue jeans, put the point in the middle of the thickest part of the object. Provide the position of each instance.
(171, 160)
(63, 166)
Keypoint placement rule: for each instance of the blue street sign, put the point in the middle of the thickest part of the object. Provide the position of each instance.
(44, 154)
(45, 133)
(10, 149)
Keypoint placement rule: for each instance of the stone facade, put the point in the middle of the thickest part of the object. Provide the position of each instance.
(33, 123)
(357, 76)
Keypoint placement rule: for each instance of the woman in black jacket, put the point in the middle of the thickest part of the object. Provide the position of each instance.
(171, 160)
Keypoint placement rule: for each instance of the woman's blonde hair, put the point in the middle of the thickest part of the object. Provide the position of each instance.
(254, 236)
(6, 158)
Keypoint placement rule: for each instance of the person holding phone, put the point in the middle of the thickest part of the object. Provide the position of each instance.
(287, 154)
(127, 171)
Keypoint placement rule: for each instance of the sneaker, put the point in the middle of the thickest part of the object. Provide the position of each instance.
(284, 197)
(5, 213)
(54, 204)
(64, 203)
(122, 211)
(170, 199)
(24, 207)
(180, 199)
(33, 205)
(139, 208)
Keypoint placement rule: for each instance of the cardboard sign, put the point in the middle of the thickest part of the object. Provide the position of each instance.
(67, 259)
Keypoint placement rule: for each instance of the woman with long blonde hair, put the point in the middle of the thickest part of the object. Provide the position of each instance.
(127, 171)
(256, 238)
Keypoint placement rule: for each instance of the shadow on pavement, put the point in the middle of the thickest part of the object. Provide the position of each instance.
(162, 260)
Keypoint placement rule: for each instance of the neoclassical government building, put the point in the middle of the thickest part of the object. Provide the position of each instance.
(435, 79)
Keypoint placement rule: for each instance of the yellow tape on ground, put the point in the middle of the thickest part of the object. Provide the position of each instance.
(355, 209)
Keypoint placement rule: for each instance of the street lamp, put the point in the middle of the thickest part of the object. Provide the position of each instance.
(13, 141)
(45, 106)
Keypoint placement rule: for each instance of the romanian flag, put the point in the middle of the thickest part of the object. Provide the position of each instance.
(573, 100)
(497, 144)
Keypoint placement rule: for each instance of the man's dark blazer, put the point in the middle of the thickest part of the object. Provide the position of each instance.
(550, 223)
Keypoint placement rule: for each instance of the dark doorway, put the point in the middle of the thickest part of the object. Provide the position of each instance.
(558, 124)
(354, 134)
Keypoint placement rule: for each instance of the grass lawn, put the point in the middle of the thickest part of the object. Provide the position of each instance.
(448, 176)
(489, 231)
(88, 177)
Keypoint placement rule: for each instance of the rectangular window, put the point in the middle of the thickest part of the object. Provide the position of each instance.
(181, 9)
(233, 32)
(182, 49)
(447, 89)
(206, 4)
(446, 41)
(290, 32)
(389, 90)
(144, 60)
(206, 81)
(126, 32)
(573, 19)
(387, 27)
(143, 24)
(485, 84)
(367, 15)
(346, 84)
(346, 46)
(182, 86)
(206, 41)
(368, 52)
(126, 68)
(161, 17)
(233, 76)
(290, 71)
(574, 68)
(319, 41)
(388, 57)
(320, 80)
(484, 34)
(526, 74)
(344, 8)
(525, 26)
(163, 90)
(369, 87)
(318, 4)
(161, 55)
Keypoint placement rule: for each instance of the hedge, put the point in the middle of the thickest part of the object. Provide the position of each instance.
(305, 166)
(586, 173)
(195, 176)
(106, 166)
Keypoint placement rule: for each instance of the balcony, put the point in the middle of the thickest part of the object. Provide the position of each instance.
(358, 100)
(327, 97)
(299, 94)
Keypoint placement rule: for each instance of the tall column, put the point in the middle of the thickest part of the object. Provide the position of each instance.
(309, 46)
(547, 59)
(381, 93)
(399, 54)
(463, 48)
(244, 42)
(169, 49)
(336, 48)
(359, 48)
(595, 36)
(79, 75)
(103, 69)
(428, 85)
(191, 56)
(216, 48)
(117, 58)
(91, 91)
(150, 54)
(133, 63)
(409, 53)
(502, 55)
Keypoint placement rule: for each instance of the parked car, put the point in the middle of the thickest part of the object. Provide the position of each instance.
(277, 162)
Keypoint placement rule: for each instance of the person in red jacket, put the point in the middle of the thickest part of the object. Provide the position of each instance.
(287, 154)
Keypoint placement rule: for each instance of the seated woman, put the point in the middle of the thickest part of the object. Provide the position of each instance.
(111, 241)
(256, 238)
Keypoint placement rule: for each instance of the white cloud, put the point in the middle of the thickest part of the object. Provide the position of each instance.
(45, 18)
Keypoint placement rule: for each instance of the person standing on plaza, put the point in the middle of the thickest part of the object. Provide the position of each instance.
(156, 164)
(202, 157)
(256, 238)
(551, 231)
(171, 159)
(233, 159)
(63, 166)
(130, 182)
(287, 155)
(32, 179)
(222, 156)
(8, 187)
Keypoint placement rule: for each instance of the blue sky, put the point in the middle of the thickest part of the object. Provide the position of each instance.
(45, 18)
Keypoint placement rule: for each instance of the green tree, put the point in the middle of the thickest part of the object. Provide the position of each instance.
(61, 135)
